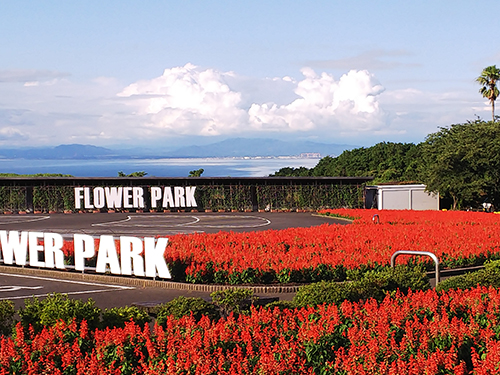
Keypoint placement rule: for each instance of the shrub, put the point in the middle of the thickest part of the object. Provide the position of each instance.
(370, 284)
(490, 276)
(322, 292)
(55, 307)
(405, 277)
(182, 306)
(116, 317)
(7, 312)
(234, 301)
(281, 305)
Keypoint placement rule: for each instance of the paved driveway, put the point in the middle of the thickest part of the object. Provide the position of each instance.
(18, 287)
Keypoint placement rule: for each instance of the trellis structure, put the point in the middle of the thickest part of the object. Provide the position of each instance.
(56, 194)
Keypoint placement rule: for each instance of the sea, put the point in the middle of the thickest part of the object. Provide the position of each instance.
(168, 167)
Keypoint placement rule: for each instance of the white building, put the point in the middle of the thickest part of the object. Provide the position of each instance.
(401, 197)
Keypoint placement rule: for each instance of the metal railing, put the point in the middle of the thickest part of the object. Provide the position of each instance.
(415, 252)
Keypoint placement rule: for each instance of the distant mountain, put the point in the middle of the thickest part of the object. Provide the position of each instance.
(233, 147)
(240, 147)
(74, 151)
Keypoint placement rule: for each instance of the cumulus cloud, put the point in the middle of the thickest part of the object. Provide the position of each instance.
(191, 100)
(347, 105)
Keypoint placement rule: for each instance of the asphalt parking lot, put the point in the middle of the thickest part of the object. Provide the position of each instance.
(17, 286)
(152, 224)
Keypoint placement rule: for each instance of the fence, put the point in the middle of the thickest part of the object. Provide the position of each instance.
(57, 194)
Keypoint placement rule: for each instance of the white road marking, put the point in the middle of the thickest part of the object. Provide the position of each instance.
(166, 221)
(109, 288)
(158, 222)
(66, 281)
(66, 293)
(14, 288)
(265, 222)
(113, 222)
(20, 219)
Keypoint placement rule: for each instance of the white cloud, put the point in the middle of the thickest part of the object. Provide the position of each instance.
(190, 100)
(9, 133)
(348, 105)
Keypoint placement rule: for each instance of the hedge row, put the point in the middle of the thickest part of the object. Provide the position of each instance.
(38, 313)
(360, 286)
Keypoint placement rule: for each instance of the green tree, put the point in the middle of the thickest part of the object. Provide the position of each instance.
(196, 173)
(385, 161)
(488, 81)
(462, 163)
(291, 172)
(133, 174)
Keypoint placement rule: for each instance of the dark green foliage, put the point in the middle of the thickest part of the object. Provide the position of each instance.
(488, 81)
(235, 300)
(489, 276)
(133, 174)
(370, 284)
(385, 161)
(323, 292)
(281, 305)
(182, 306)
(196, 173)
(47, 312)
(463, 163)
(404, 277)
(292, 172)
(118, 316)
(7, 312)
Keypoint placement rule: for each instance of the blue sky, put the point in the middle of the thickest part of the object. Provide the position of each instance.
(170, 72)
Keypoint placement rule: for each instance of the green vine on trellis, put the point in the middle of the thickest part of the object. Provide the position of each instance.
(229, 197)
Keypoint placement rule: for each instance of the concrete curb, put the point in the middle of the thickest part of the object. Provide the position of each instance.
(144, 283)
(334, 217)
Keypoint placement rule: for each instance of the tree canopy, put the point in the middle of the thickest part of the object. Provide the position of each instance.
(460, 162)
(133, 174)
(385, 162)
(196, 173)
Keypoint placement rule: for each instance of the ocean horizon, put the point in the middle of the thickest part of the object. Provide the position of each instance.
(165, 167)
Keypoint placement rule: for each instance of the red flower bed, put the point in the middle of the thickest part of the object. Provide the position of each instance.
(456, 332)
(322, 252)
(457, 238)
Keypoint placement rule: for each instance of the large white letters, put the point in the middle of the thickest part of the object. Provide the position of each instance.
(137, 257)
(53, 244)
(14, 246)
(83, 246)
(18, 247)
(130, 254)
(107, 255)
(133, 197)
(154, 257)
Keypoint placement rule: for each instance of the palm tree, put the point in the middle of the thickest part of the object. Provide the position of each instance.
(488, 80)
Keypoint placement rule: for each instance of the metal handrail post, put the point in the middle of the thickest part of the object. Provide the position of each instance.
(415, 252)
